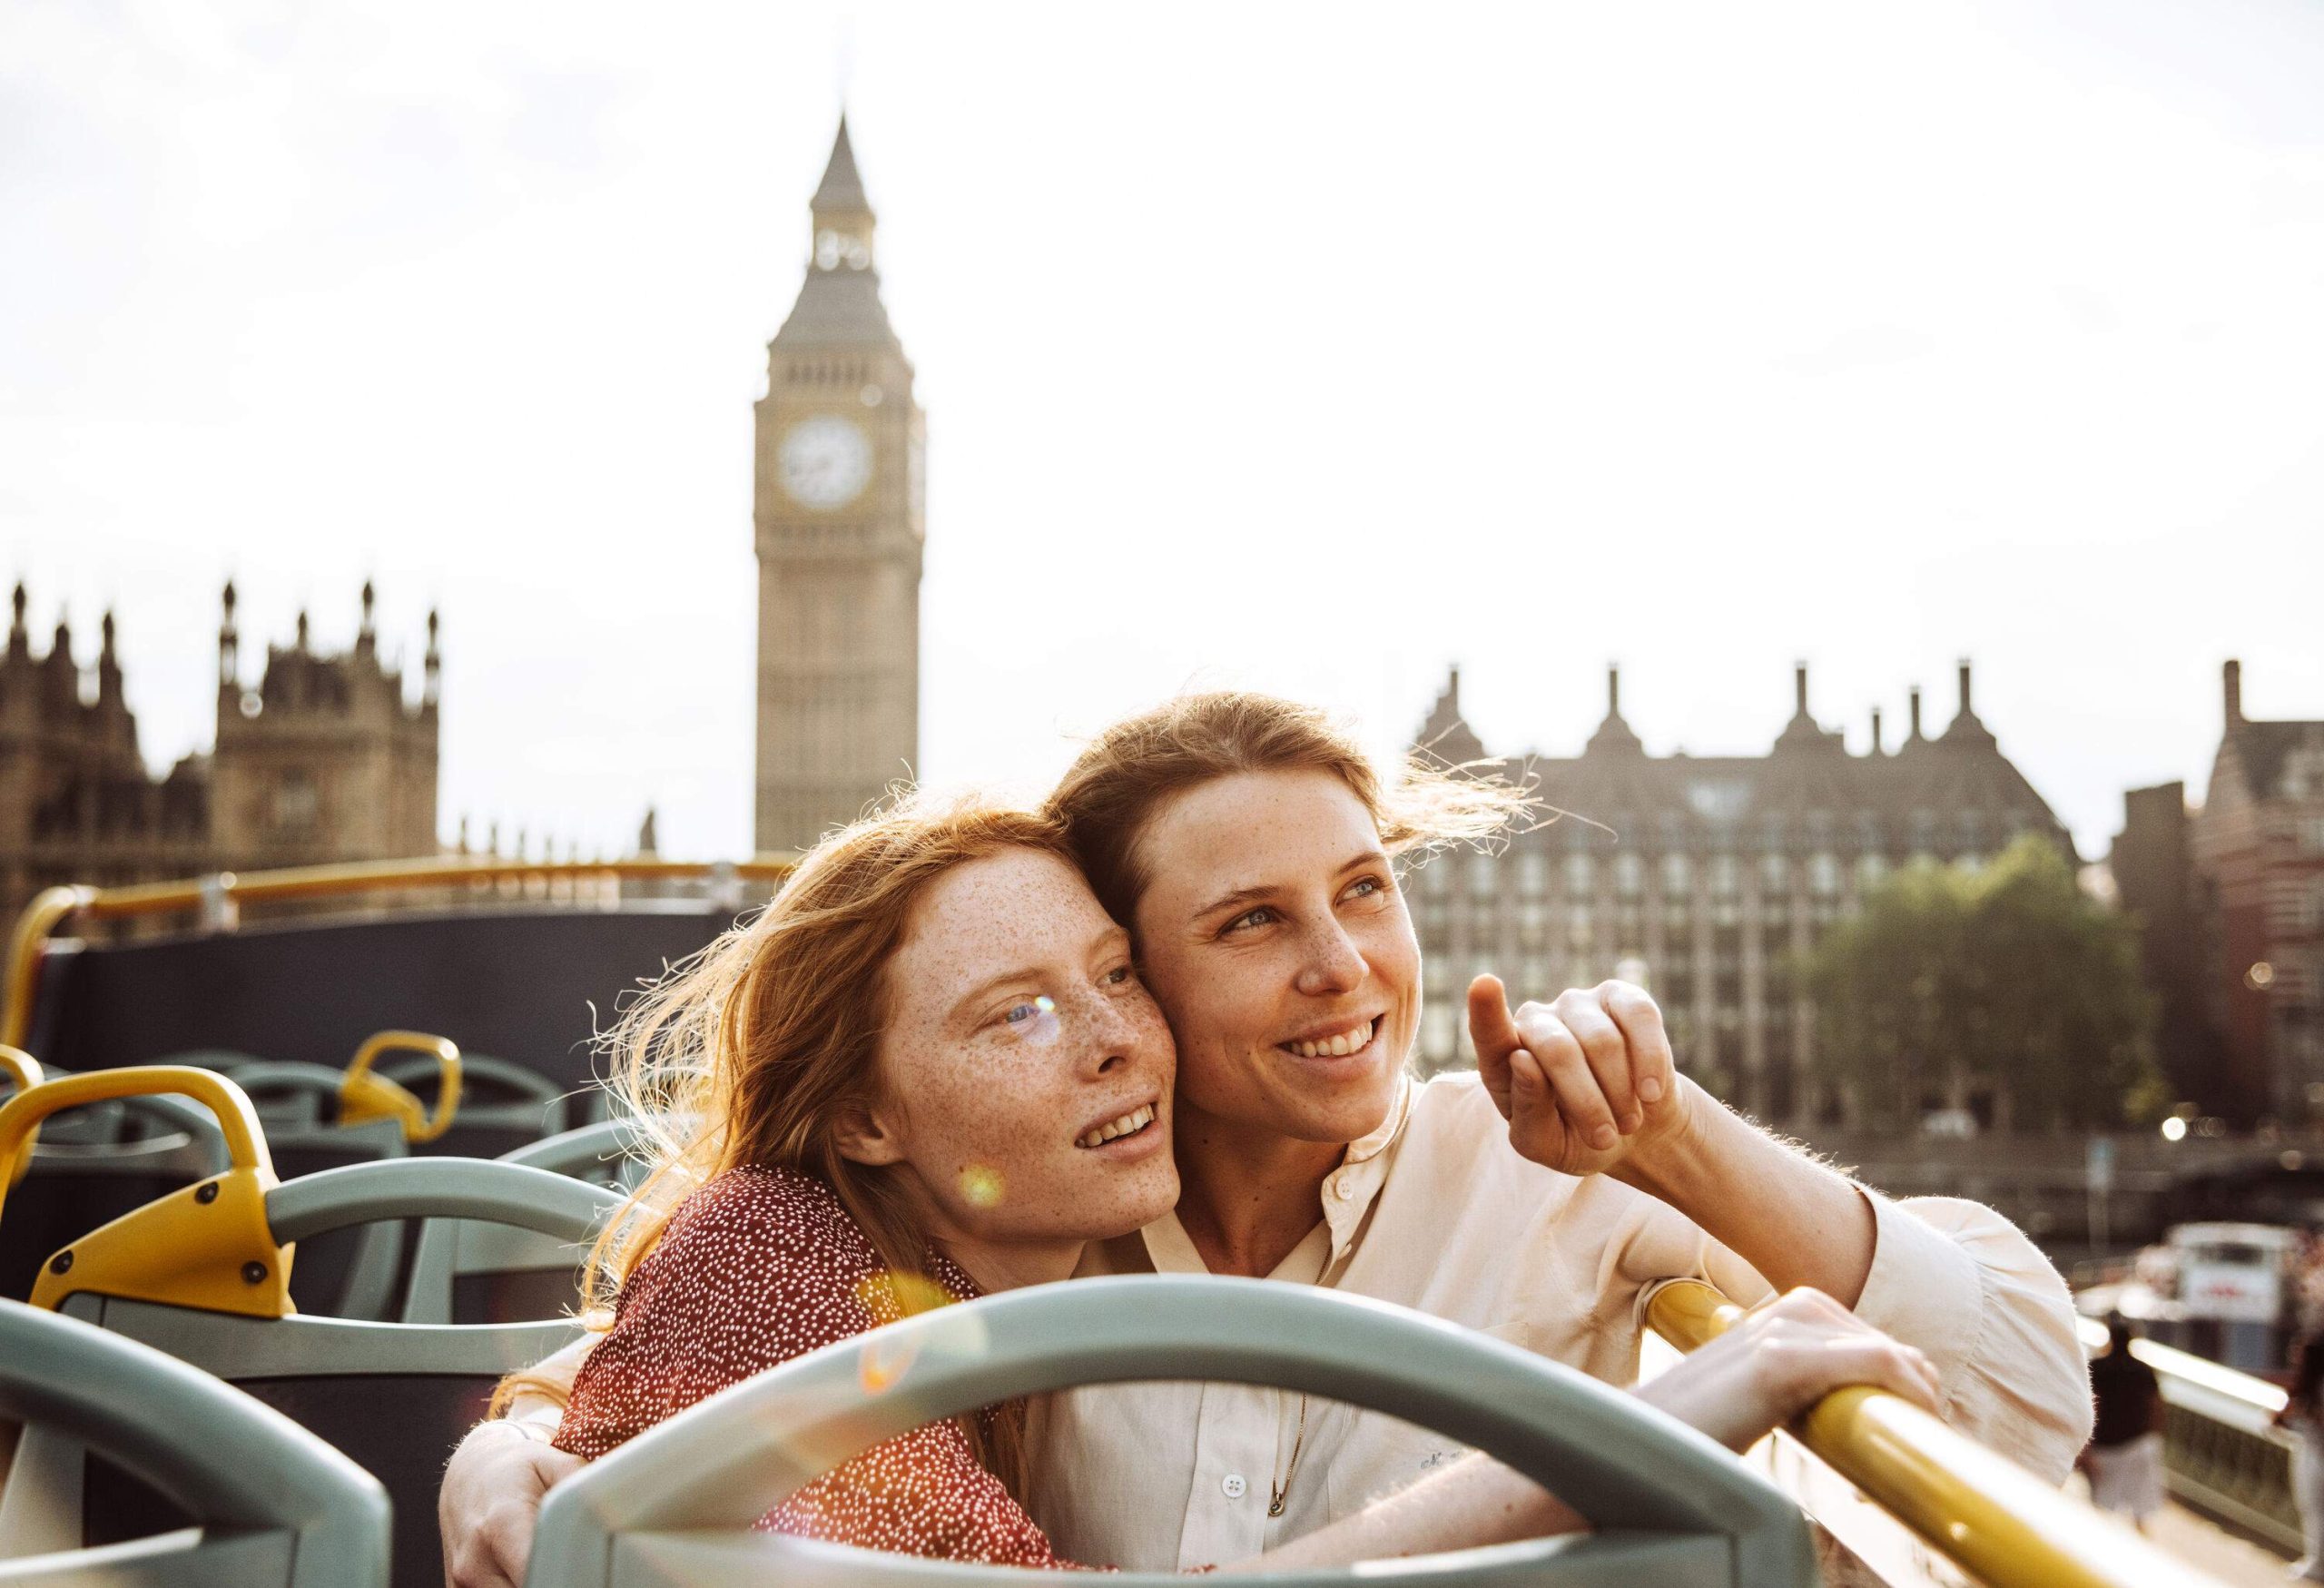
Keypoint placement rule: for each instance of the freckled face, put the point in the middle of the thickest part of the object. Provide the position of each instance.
(1274, 938)
(1027, 1070)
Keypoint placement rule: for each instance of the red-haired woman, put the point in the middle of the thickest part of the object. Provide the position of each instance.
(1252, 850)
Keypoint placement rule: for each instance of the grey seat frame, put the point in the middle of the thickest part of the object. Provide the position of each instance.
(675, 1506)
(291, 1095)
(276, 1504)
(241, 1349)
(538, 1108)
(451, 1249)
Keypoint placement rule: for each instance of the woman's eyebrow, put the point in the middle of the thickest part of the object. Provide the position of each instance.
(1243, 895)
(1369, 857)
(992, 984)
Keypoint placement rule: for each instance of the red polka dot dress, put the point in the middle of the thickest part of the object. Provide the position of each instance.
(756, 1267)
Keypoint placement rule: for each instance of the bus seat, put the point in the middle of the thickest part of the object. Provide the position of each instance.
(503, 1106)
(675, 1506)
(89, 1165)
(467, 1273)
(348, 1273)
(270, 1506)
(395, 1397)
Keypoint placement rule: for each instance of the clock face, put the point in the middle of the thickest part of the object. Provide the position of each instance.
(826, 461)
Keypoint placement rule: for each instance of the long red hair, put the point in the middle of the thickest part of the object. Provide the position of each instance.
(753, 1050)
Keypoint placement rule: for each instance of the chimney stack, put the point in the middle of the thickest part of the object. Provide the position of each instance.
(1965, 688)
(2233, 675)
(1877, 747)
(1614, 689)
(1915, 718)
(1800, 686)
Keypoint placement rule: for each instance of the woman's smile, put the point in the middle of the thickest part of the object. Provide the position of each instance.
(1130, 1134)
(1332, 1042)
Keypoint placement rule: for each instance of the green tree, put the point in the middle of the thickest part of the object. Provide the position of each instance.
(2006, 978)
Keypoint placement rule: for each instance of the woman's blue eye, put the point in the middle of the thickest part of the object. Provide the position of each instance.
(1023, 1013)
(1117, 975)
(1259, 917)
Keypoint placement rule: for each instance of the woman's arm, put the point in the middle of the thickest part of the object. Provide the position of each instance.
(1776, 1364)
(500, 1474)
(1953, 1277)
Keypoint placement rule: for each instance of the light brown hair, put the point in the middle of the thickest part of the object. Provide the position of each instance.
(753, 1051)
(1112, 792)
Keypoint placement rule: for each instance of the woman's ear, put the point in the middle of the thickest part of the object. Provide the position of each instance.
(865, 1135)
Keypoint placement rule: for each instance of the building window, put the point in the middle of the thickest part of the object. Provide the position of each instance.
(1532, 924)
(1438, 1034)
(1630, 875)
(1484, 875)
(1824, 873)
(1434, 881)
(297, 802)
(1532, 873)
(1678, 877)
(1774, 874)
(1580, 874)
(1726, 877)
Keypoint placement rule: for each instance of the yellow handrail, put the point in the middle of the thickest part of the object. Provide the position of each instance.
(1980, 1510)
(53, 907)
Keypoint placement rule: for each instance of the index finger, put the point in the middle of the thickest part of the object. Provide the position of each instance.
(1493, 1032)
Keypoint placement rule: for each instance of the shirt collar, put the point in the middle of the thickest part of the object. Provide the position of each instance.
(1347, 1194)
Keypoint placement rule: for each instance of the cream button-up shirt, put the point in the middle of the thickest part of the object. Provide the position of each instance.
(1435, 1211)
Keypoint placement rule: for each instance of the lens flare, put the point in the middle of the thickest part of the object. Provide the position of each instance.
(980, 1186)
(889, 1295)
(887, 1355)
(881, 1364)
(1035, 1019)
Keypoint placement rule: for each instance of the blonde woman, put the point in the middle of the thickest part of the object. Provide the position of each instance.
(928, 1072)
(1251, 849)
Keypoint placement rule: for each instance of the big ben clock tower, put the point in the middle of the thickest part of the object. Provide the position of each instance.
(838, 520)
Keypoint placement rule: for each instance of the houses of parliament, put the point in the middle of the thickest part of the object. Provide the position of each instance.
(333, 757)
(319, 758)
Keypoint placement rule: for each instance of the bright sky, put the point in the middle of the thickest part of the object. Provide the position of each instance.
(1302, 350)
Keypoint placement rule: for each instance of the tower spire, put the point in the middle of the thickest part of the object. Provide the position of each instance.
(841, 189)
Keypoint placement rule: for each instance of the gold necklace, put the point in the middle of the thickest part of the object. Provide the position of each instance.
(1277, 1492)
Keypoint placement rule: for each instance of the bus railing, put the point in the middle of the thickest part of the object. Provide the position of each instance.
(1979, 1509)
(216, 900)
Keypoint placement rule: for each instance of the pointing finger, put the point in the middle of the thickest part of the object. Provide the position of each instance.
(1494, 1034)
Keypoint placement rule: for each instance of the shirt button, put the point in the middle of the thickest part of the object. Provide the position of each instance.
(1233, 1485)
(1344, 1187)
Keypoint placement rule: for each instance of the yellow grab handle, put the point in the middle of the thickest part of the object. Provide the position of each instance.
(363, 1095)
(245, 1141)
(207, 1245)
(22, 1069)
(1980, 1510)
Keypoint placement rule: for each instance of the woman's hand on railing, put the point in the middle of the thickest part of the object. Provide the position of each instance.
(1782, 1360)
